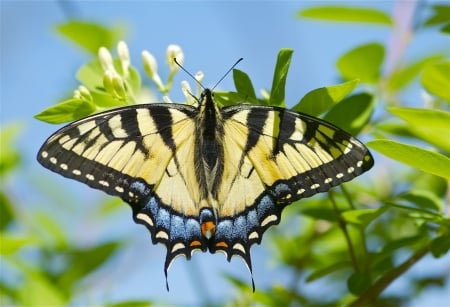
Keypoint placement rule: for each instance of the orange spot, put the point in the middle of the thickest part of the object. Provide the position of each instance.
(222, 244)
(208, 229)
(195, 243)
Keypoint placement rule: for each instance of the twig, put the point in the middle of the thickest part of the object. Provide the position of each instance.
(375, 290)
(343, 226)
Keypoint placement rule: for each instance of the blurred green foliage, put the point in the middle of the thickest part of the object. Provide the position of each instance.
(366, 233)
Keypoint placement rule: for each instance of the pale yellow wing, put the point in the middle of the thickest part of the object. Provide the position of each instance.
(273, 157)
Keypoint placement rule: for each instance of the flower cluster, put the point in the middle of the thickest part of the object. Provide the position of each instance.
(121, 82)
(174, 59)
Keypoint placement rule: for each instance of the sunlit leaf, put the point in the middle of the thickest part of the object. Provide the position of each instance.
(37, 290)
(320, 100)
(404, 75)
(419, 158)
(12, 243)
(91, 76)
(277, 93)
(353, 113)
(131, 304)
(347, 14)
(432, 126)
(436, 79)
(243, 83)
(90, 36)
(52, 230)
(66, 111)
(9, 155)
(363, 62)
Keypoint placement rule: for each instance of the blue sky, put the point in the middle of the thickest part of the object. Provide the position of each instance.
(38, 68)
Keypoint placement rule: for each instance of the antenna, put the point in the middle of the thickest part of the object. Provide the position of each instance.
(189, 74)
(198, 82)
(225, 74)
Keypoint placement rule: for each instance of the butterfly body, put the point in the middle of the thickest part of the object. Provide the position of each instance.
(206, 178)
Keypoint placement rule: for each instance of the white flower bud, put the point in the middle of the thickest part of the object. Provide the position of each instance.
(106, 59)
(124, 56)
(151, 69)
(82, 93)
(150, 64)
(107, 81)
(174, 52)
(199, 77)
(186, 89)
(119, 87)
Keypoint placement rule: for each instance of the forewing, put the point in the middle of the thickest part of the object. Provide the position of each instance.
(274, 157)
(144, 155)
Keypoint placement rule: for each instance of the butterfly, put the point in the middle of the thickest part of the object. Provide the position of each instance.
(203, 177)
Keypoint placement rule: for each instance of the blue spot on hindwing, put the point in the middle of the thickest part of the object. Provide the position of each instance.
(240, 229)
(177, 228)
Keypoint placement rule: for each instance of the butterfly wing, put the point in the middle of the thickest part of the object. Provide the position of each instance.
(274, 157)
(144, 155)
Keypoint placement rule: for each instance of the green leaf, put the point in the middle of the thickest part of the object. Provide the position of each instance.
(83, 262)
(243, 84)
(66, 111)
(6, 208)
(352, 113)
(363, 62)
(421, 159)
(358, 282)
(131, 304)
(446, 28)
(334, 267)
(347, 14)
(233, 98)
(9, 156)
(91, 76)
(403, 76)
(390, 247)
(320, 100)
(441, 15)
(326, 214)
(432, 126)
(397, 128)
(12, 243)
(90, 36)
(436, 79)
(363, 217)
(52, 230)
(36, 289)
(277, 93)
(422, 199)
(440, 245)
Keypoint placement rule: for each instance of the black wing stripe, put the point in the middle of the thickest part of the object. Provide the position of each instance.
(257, 119)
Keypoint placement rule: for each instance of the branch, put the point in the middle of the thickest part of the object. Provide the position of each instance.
(375, 290)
